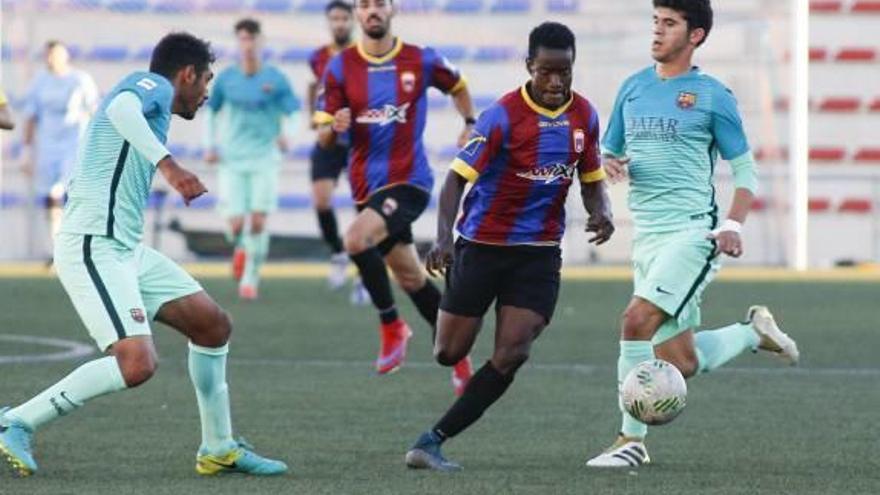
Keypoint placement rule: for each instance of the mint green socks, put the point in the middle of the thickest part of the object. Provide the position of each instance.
(91, 380)
(207, 370)
(632, 352)
(256, 247)
(714, 348)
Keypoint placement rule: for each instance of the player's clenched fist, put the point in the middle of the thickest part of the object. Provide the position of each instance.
(342, 120)
(615, 168)
(183, 181)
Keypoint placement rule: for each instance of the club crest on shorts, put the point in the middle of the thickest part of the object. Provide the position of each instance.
(686, 100)
(408, 81)
(579, 140)
(389, 206)
(138, 315)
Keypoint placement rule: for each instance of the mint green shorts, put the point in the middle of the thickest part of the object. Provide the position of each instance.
(248, 191)
(116, 290)
(671, 270)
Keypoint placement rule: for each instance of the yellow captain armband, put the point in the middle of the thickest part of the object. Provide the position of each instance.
(594, 176)
(323, 118)
(462, 168)
(460, 85)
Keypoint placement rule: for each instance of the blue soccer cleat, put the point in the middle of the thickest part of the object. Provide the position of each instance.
(426, 454)
(241, 459)
(15, 445)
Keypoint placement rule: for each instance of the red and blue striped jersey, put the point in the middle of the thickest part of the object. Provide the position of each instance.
(319, 59)
(521, 159)
(387, 98)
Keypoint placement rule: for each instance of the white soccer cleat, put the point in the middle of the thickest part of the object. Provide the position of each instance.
(359, 295)
(338, 271)
(773, 339)
(624, 453)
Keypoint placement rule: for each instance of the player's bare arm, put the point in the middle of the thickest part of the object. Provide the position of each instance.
(727, 236)
(598, 205)
(183, 181)
(465, 107)
(440, 255)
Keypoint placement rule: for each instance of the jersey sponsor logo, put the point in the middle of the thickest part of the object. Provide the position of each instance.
(579, 140)
(147, 83)
(686, 100)
(653, 129)
(549, 174)
(389, 114)
(137, 315)
(382, 68)
(553, 123)
(408, 81)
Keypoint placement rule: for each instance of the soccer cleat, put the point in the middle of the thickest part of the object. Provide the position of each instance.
(392, 352)
(359, 294)
(241, 459)
(247, 292)
(624, 453)
(15, 445)
(238, 260)
(338, 271)
(773, 339)
(426, 454)
(461, 375)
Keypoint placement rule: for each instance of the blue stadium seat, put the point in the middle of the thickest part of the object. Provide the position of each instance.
(11, 200)
(301, 152)
(296, 54)
(269, 53)
(222, 53)
(294, 201)
(463, 6)
(224, 5)
(563, 6)
(128, 6)
(482, 102)
(511, 6)
(144, 53)
(178, 150)
(417, 6)
(437, 102)
(313, 6)
(455, 53)
(108, 53)
(448, 152)
(273, 6)
(174, 6)
(206, 202)
(495, 54)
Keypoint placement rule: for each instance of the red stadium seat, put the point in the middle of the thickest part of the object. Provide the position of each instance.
(769, 153)
(818, 54)
(840, 104)
(819, 205)
(856, 205)
(759, 204)
(826, 6)
(829, 154)
(868, 155)
(856, 54)
(866, 7)
(875, 105)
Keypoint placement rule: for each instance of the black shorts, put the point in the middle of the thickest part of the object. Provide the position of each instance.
(328, 163)
(521, 276)
(400, 206)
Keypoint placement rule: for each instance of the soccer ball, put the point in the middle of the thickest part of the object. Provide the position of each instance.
(654, 392)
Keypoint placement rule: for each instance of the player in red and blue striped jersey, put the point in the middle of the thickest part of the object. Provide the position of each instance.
(376, 92)
(522, 157)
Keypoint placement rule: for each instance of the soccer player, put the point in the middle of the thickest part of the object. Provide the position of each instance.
(328, 163)
(7, 123)
(117, 284)
(522, 157)
(252, 103)
(58, 106)
(376, 92)
(670, 123)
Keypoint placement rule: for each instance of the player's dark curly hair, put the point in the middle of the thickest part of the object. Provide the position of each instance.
(338, 4)
(251, 26)
(697, 13)
(551, 35)
(177, 50)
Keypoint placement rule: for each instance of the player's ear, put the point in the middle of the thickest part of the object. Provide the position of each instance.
(697, 36)
(190, 75)
(530, 66)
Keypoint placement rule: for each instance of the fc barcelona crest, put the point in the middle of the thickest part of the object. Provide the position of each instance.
(687, 100)
(137, 315)
(408, 81)
(579, 139)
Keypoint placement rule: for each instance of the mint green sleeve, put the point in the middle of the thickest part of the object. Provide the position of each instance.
(126, 113)
(210, 124)
(745, 173)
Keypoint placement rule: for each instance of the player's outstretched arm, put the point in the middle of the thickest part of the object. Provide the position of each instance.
(598, 205)
(464, 104)
(183, 181)
(440, 255)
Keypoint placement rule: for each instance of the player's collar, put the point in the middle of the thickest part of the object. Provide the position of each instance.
(552, 114)
(398, 45)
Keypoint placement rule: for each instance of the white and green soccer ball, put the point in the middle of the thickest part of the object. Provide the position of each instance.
(654, 392)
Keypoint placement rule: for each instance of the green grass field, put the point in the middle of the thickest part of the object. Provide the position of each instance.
(303, 390)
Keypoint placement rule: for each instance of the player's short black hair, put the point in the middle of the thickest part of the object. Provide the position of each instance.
(177, 50)
(338, 4)
(697, 13)
(53, 43)
(251, 26)
(552, 35)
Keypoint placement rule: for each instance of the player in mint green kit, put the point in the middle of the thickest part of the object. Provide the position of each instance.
(118, 285)
(670, 123)
(247, 109)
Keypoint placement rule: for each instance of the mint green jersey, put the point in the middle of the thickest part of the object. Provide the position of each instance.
(249, 110)
(111, 181)
(673, 131)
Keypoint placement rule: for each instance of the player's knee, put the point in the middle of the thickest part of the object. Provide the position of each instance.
(636, 324)
(447, 356)
(258, 223)
(509, 359)
(411, 281)
(323, 203)
(137, 368)
(355, 243)
(224, 326)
